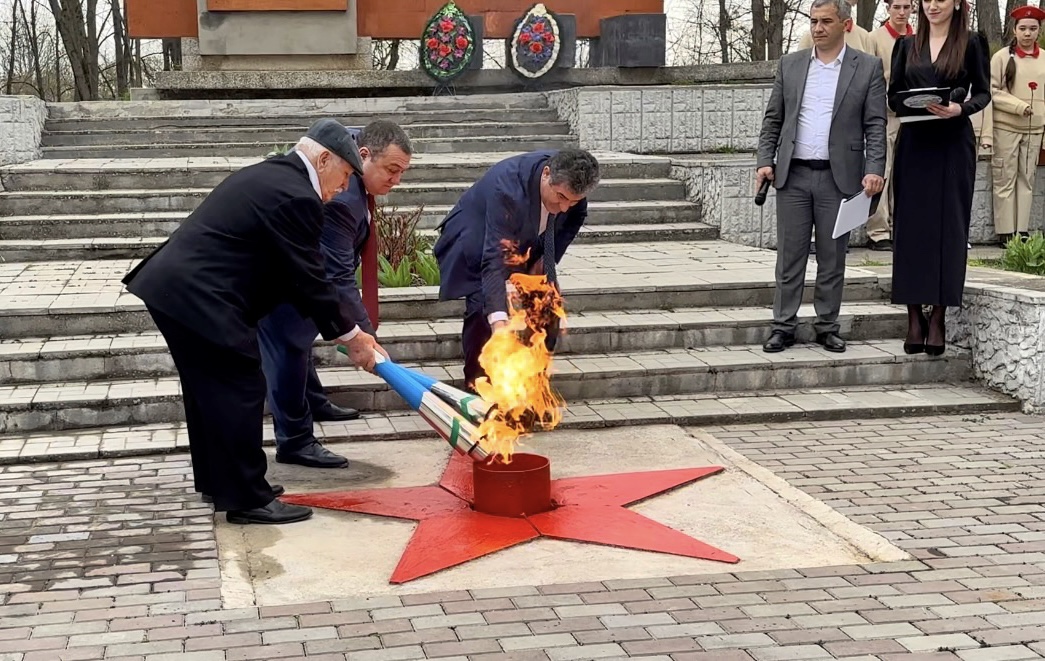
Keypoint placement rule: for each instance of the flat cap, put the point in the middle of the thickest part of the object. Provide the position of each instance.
(335, 137)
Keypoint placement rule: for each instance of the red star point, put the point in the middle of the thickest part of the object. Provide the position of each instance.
(588, 509)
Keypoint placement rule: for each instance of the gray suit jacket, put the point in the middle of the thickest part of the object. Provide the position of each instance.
(856, 144)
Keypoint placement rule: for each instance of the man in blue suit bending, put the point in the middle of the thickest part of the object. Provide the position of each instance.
(538, 202)
(295, 394)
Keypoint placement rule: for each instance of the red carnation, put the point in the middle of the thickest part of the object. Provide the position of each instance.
(432, 43)
(536, 47)
(462, 43)
(549, 37)
(444, 50)
(1032, 85)
(524, 38)
(538, 27)
(446, 25)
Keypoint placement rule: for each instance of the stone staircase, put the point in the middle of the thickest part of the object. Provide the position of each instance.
(664, 325)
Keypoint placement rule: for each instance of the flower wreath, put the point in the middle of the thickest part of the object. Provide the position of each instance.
(447, 43)
(535, 43)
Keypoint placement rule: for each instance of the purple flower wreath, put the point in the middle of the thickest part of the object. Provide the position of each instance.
(447, 43)
(535, 43)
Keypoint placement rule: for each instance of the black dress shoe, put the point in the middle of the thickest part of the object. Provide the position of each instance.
(275, 512)
(277, 491)
(883, 245)
(831, 342)
(330, 412)
(313, 455)
(778, 341)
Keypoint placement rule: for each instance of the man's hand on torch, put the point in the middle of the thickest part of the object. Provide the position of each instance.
(361, 350)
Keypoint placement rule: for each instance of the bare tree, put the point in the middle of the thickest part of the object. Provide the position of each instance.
(775, 41)
(724, 26)
(385, 53)
(988, 20)
(759, 30)
(12, 48)
(865, 12)
(78, 27)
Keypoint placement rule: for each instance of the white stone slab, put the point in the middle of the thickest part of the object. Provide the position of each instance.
(339, 554)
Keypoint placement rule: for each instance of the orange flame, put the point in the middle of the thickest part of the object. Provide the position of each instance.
(517, 362)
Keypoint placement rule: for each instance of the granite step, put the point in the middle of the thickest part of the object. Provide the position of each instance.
(110, 309)
(460, 145)
(18, 203)
(133, 225)
(734, 368)
(406, 119)
(207, 172)
(849, 403)
(34, 250)
(248, 110)
(144, 354)
(285, 134)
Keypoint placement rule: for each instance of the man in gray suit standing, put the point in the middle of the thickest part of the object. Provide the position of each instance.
(823, 139)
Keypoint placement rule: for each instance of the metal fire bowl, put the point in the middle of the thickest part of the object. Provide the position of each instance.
(520, 488)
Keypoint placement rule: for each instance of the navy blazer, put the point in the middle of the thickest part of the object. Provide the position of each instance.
(252, 244)
(345, 232)
(504, 204)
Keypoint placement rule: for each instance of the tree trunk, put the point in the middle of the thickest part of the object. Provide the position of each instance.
(393, 55)
(759, 30)
(988, 20)
(31, 30)
(80, 38)
(723, 31)
(12, 45)
(775, 35)
(122, 49)
(865, 10)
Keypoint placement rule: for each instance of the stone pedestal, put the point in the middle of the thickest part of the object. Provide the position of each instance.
(477, 29)
(631, 40)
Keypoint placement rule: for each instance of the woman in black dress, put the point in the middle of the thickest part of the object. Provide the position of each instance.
(935, 167)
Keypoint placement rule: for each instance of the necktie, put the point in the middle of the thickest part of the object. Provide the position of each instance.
(549, 251)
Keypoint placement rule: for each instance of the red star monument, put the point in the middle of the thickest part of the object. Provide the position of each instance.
(587, 509)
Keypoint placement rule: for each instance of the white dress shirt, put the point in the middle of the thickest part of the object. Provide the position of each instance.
(817, 109)
(313, 177)
(503, 316)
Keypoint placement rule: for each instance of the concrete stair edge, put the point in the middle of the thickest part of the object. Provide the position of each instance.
(724, 409)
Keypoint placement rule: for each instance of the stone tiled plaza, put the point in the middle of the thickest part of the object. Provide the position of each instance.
(924, 471)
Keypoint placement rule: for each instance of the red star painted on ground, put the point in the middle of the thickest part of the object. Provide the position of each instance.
(590, 509)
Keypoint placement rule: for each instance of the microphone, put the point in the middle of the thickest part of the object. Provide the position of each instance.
(958, 94)
(760, 196)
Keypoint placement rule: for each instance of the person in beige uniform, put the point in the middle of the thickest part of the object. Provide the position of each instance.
(879, 225)
(1018, 89)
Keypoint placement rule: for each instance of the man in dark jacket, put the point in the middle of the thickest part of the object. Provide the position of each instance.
(252, 244)
(535, 201)
(295, 393)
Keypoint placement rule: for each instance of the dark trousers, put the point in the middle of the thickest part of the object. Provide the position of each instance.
(294, 388)
(477, 332)
(224, 396)
(474, 336)
(810, 198)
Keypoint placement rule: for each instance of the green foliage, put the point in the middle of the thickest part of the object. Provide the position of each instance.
(427, 268)
(393, 276)
(1025, 255)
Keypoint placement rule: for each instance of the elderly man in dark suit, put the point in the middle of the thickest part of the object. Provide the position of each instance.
(252, 244)
(538, 201)
(295, 393)
(823, 139)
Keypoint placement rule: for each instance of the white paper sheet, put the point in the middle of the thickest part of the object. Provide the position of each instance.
(852, 213)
